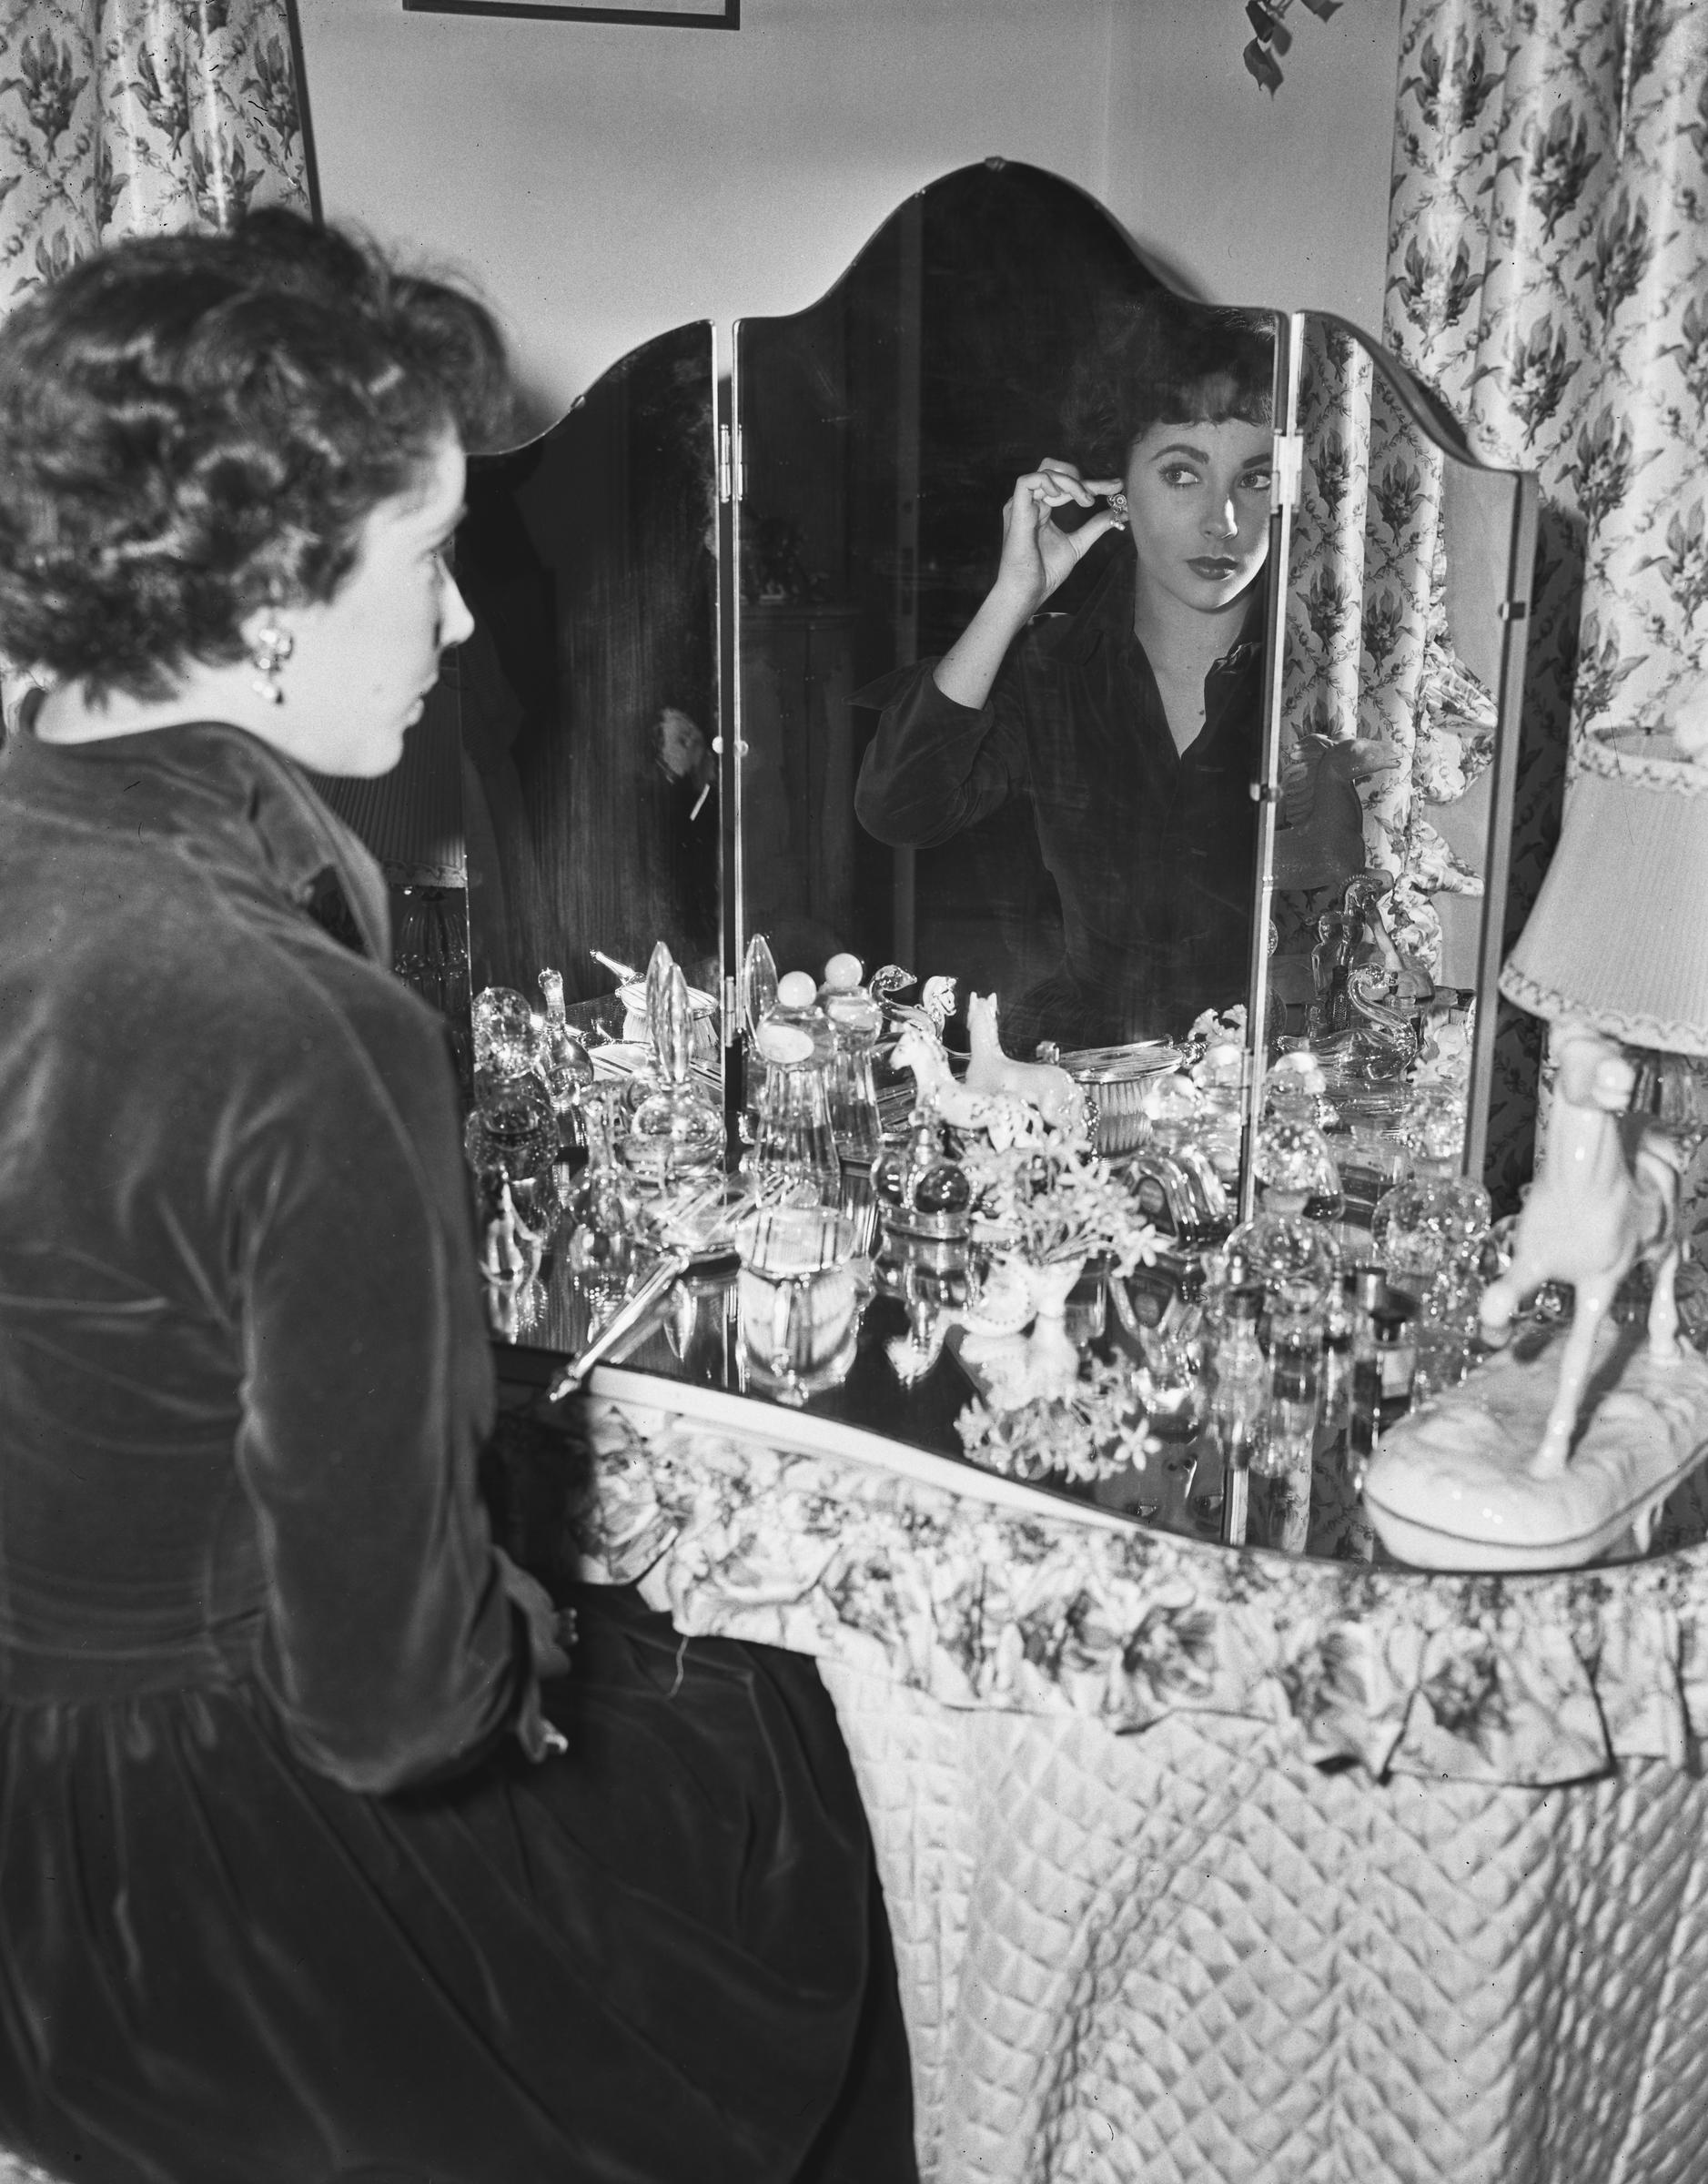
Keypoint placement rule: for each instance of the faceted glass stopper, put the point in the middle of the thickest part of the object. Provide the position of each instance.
(1294, 1160)
(759, 981)
(506, 1033)
(1292, 1259)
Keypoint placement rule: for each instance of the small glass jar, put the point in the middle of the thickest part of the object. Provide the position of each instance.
(794, 1160)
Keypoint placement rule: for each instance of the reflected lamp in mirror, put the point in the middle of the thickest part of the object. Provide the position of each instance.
(1619, 936)
(1554, 1459)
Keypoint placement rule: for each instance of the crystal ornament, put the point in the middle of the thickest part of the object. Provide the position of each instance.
(674, 1142)
(512, 1135)
(1427, 1233)
(564, 1063)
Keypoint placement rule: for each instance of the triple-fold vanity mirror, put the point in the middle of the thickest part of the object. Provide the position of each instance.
(697, 607)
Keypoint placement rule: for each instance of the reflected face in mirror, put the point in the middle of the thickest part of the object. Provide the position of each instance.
(1198, 508)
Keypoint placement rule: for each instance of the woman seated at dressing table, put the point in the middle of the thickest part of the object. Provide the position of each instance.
(1131, 726)
(329, 1850)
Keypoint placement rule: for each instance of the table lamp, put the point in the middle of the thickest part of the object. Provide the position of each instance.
(1619, 936)
(1515, 1469)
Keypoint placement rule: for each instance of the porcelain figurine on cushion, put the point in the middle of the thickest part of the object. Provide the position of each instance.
(1608, 1191)
(1547, 1460)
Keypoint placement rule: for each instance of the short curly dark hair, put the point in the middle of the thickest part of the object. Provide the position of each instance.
(194, 426)
(1163, 359)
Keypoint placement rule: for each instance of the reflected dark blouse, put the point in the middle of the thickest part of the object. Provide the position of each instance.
(1151, 850)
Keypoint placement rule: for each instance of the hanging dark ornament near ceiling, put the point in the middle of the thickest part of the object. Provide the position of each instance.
(1273, 37)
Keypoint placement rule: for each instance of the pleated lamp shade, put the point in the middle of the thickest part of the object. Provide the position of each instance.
(1619, 935)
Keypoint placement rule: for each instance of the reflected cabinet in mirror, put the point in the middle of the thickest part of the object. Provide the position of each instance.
(588, 693)
(1046, 687)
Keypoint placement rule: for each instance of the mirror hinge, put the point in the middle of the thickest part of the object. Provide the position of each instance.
(1287, 479)
(724, 465)
(1514, 609)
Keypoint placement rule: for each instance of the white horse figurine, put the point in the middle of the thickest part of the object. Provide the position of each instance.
(1041, 1084)
(1607, 1192)
(1004, 1114)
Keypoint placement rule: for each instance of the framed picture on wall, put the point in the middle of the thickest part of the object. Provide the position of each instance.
(701, 15)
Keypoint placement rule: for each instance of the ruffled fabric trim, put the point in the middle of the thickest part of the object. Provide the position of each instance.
(1510, 1680)
(1657, 1032)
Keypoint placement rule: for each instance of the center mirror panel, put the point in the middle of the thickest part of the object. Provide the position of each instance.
(1038, 835)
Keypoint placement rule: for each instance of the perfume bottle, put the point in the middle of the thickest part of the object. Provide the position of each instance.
(758, 995)
(1293, 1160)
(794, 1160)
(855, 1021)
(1175, 1173)
(1239, 1394)
(1220, 1077)
(512, 1135)
(1429, 1232)
(1281, 1466)
(563, 1065)
(602, 1229)
(674, 1146)
(1294, 1262)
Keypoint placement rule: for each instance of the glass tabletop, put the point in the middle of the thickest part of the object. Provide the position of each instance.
(911, 1371)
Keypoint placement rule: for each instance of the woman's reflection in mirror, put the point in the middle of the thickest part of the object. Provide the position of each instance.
(1130, 726)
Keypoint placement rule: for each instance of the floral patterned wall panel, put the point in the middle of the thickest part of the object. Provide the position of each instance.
(126, 116)
(1548, 272)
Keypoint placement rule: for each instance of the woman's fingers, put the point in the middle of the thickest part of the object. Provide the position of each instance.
(1057, 482)
(1093, 528)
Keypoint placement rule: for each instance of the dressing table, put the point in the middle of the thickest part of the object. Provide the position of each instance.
(1201, 1863)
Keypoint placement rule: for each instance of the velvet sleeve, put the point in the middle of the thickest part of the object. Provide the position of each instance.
(392, 1649)
(935, 766)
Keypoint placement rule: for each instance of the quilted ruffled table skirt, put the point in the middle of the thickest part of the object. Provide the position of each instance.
(1187, 1955)
(1211, 1868)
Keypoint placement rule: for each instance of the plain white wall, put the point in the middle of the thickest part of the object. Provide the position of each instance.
(604, 181)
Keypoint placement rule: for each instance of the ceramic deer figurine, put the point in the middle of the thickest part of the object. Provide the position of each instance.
(1607, 1193)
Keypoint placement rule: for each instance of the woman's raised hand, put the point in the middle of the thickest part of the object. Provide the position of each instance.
(1038, 554)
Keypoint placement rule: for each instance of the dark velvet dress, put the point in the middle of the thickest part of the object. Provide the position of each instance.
(1152, 850)
(296, 1882)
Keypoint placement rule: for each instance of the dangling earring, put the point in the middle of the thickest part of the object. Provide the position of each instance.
(1117, 504)
(267, 655)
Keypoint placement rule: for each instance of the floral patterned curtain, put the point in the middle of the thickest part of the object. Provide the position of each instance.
(1548, 272)
(126, 116)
